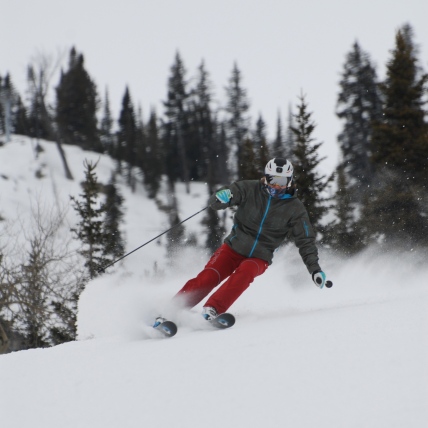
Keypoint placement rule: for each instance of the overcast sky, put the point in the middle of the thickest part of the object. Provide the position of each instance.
(282, 47)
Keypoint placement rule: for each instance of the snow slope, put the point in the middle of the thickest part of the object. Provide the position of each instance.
(351, 356)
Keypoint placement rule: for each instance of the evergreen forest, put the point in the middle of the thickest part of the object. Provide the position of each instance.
(376, 196)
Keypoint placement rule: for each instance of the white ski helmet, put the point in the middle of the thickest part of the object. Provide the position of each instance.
(279, 172)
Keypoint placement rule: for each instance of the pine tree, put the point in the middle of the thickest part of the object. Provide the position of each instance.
(12, 109)
(33, 314)
(395, 211)
(6, 102)
(153, 170)
(278, 143)
(90, 227)
(106, 128)
(176, 236)
(39, 116)
(220, 155)
(264, 157)
(237, 109)
(141, 143)
(215, 230)
(248, 167)
(175, 126)
(175, 129)
(283, 145)
(66, 332)
(400, 139)
(2, 127)
(393, 215)
(290, 143)
(311, 185)
(115, 244)
(20, 121)
(127, 137)
(202, 128)
(261, 148)
(358, 105)
(77, 105)
(344, 236)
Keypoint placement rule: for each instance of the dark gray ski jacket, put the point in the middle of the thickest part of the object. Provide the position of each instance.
(262, 223)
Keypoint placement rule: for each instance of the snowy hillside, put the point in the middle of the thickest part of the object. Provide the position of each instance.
(351, 356)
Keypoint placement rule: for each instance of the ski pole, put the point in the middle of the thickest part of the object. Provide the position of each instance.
(102, 270)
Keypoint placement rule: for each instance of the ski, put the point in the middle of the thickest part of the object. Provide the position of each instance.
(167, 328)
(222, 321)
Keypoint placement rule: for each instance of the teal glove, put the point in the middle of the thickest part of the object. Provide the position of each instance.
(224, 196)
(320, 279)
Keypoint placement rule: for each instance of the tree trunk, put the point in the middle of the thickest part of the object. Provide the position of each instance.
(68, 173)
(4, 341)
(56, 137)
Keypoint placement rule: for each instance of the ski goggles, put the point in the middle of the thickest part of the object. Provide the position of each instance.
(278, 180)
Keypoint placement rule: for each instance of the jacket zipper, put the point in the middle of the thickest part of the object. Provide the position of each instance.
(261, 226)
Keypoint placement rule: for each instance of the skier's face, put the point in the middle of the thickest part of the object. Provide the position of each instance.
(275, 190)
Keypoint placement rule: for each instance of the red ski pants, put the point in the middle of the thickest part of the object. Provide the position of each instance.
(224, 263)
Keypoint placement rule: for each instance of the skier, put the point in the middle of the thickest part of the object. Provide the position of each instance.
(268, 210)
